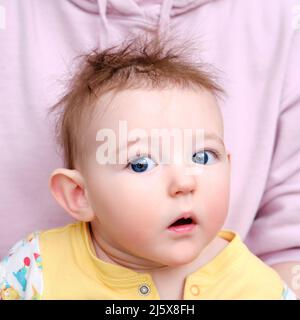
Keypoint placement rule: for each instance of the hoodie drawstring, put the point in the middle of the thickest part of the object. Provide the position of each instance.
(162, 27)
(164, 18)
(103, 23)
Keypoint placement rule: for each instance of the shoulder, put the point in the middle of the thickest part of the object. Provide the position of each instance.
(61, 232)
(60, 246)
(21, 270)
(61, 238)
(264, 280)
(249, 276)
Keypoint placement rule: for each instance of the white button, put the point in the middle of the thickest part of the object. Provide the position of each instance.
(144, 289)
(194, 290)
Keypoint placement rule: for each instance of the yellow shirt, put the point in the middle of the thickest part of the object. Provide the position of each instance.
(71, 270)
(61, 264)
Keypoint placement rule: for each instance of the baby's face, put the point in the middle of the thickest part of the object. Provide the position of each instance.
(135, 203)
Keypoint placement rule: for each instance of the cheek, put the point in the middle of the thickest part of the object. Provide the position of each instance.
(218, 207)
(215, 198)
(126, 203)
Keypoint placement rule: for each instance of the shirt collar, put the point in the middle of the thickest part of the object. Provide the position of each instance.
(122, 276)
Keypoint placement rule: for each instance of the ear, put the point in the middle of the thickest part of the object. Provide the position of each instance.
(67, 187)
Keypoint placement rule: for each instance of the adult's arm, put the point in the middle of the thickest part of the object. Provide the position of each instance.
(275, 233)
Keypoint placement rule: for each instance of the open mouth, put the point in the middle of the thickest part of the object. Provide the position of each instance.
(182, 225)
(181, 222)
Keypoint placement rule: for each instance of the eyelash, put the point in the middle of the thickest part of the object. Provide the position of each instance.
(140, 155)
(216, 153)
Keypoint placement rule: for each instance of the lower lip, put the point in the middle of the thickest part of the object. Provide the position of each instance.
(182, 228)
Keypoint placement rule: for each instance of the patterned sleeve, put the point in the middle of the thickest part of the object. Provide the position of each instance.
(21, 271)
(288, 294)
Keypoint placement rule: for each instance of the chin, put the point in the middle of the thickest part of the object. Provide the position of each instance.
(181, 258)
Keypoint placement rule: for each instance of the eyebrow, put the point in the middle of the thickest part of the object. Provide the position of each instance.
(215, 137)
(207, 136)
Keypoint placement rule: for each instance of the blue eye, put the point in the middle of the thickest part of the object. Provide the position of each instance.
(142, 164)
(202, 157)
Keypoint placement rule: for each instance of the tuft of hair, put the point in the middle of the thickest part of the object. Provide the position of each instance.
(143, 62)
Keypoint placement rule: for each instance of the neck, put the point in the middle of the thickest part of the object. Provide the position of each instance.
(112, 255)
(169, 281)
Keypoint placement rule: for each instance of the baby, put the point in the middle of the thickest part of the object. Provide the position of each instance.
(147, 178)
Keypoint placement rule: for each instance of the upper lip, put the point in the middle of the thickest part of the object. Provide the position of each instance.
(186, 215)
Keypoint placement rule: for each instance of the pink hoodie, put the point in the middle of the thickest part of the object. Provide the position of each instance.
(254, 43)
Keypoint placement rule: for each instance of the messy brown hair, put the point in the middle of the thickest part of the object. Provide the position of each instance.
(141, 62)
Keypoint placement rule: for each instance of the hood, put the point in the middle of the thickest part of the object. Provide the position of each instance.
(135, 10)
(127, 7)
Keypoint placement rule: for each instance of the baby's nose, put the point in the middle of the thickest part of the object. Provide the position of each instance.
(181, 182)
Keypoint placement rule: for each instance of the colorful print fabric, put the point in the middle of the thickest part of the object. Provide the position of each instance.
(21, 271)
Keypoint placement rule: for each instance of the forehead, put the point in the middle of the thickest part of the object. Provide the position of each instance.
(162, 109)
